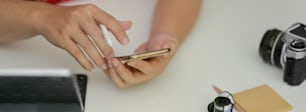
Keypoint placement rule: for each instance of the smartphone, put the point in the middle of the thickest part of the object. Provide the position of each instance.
(144, 55)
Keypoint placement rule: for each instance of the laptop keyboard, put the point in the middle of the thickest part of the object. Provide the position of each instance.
(41, 94)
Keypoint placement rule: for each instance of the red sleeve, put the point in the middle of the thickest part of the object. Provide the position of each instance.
(55, 1)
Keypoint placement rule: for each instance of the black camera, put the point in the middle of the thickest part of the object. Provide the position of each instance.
(286, 50)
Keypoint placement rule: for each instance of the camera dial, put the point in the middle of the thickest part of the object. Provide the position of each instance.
(296, 49)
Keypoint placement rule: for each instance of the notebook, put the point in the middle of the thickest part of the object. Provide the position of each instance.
(262, 99)
(44, 90)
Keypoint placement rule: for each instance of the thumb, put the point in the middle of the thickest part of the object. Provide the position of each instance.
(169, 44)
(141, 48)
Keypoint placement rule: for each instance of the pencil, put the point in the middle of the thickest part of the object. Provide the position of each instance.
(236, 105)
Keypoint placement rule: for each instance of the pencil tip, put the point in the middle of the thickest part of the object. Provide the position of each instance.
(217, 89)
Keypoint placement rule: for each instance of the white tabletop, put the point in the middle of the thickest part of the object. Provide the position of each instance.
(222, 50)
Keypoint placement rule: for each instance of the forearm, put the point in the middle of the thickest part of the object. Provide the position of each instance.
(175, 18)
(16, 20)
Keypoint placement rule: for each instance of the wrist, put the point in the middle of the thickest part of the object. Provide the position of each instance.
(38, 14)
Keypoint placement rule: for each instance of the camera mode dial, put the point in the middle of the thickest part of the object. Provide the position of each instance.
(296, 49)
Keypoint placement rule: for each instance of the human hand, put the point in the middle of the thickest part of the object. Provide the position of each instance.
(77, 28)
(140, 71)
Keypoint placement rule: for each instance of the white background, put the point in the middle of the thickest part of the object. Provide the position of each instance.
(222, 50)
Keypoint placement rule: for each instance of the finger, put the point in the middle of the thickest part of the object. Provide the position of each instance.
(141, 65)
(141, 48)
(106, 72)
(153, 46)
(115, 78)
(171, 45)
(89, 48)
(112, 24)
(77, 53)
(147, 46)
(91, 28)
(124, 72)
(126, 25)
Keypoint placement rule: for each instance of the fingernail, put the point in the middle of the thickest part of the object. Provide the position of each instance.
(90, 69)
(103, 67)
(109, 63)
(131, 63)
(115, 63)
(125, 41)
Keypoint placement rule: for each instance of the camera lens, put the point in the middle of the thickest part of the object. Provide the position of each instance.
(222, 101)
(271, 47)
(223, 104)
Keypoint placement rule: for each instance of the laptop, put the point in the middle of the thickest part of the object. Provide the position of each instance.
(42, 90)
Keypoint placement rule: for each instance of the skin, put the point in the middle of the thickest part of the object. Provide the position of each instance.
(68, 27)
(173, 20)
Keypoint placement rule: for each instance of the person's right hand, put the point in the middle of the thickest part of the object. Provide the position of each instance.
(68, 27)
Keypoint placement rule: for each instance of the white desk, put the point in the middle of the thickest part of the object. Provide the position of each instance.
(221, 50)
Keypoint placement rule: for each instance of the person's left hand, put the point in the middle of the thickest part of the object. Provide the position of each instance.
(140, 71)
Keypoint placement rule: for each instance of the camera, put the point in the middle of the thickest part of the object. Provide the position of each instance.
(223, 103)
(286, 50)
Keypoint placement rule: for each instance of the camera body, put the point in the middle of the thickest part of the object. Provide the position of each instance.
(286, 50)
